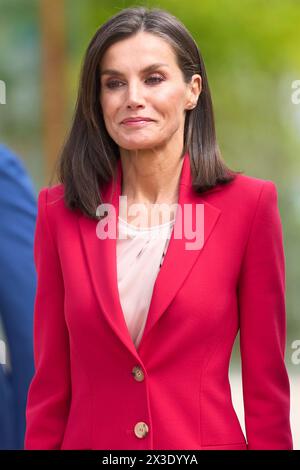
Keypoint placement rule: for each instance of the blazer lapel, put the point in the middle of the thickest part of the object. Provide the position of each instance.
(102, 262)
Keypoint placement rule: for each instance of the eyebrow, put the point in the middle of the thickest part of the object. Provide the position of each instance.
(149, 68)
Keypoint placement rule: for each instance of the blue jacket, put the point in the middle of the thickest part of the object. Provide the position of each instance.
(17, 290)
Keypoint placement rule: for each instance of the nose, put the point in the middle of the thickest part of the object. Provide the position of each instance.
(135, 97)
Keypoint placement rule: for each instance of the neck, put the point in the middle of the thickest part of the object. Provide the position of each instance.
(150, 179)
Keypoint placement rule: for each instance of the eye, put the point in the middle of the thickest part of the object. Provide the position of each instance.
(113, 84)
(154, 79)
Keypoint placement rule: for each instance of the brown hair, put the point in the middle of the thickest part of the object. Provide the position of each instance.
(89, 156)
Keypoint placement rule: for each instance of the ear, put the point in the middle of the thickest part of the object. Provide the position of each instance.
(194, 91)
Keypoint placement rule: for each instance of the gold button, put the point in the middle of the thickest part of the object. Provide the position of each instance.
(141, 429)
(138, 374)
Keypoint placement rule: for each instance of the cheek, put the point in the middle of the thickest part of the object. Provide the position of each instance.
(109, 104)
(169, 100)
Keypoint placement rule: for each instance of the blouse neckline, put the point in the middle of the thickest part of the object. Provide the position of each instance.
(152, 228)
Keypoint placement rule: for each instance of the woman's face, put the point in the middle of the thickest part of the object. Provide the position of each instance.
(159, 93)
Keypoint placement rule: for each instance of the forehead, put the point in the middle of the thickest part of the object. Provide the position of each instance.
(147, 47)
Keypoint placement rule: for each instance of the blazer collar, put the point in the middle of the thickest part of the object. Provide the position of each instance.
(102, 262)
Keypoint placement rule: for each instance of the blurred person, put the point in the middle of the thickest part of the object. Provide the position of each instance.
(17, 288)
(133, 334)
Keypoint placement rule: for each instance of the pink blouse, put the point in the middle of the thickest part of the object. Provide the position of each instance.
(140, 253)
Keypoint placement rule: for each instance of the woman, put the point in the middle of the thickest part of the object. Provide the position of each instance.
(130, 352)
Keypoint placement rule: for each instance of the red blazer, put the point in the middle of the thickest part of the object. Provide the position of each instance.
(92, 388)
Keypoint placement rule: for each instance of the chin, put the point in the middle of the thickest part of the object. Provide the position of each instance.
(138, 146)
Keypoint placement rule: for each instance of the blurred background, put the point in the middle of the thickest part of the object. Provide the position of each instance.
(251, 50)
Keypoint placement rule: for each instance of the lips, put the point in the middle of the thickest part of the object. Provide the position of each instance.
(136, 119)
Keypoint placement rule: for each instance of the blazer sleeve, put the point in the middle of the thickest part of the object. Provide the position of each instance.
(17, 274)
(261, 297)
(48, 399)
